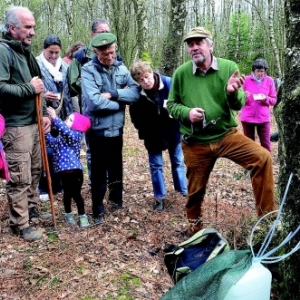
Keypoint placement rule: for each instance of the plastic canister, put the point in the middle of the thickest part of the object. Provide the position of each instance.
(254, 285)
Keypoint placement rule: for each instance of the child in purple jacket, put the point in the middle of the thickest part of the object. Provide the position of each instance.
(66, 160)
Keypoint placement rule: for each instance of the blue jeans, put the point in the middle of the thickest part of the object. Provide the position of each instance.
(178, 171)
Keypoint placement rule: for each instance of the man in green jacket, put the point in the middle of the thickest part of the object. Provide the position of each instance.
(205, 92)
(20, 82)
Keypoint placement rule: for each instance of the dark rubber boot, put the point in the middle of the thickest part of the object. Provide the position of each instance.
(159, 205)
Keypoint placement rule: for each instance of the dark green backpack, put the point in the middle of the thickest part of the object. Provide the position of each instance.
(186, 257)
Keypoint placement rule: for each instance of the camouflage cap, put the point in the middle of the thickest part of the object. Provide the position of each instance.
(198, 32)
(103, 39)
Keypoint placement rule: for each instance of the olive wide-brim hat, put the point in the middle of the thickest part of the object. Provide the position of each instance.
(198, 32)
(103, 39)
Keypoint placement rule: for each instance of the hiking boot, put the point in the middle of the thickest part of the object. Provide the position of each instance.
(69, 217)
(98, 219)
(159, 205)
(195, 225)
(83, 221)
(30, 234)
(115, 205)
(33, 214)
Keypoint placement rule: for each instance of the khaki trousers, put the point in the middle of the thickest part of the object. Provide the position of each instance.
(200, 160)
(22, 149)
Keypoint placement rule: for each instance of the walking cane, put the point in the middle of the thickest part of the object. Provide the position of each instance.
(39, 109)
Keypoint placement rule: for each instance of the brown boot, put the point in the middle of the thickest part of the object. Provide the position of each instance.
(195, 225)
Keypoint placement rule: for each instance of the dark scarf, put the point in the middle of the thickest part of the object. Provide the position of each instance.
(26, 51)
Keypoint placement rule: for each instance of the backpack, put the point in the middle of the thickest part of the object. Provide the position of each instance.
(80, 55)
(186, 257)
(11, 62)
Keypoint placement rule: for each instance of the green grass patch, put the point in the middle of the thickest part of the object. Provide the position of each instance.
(52, 236)
(80, 269)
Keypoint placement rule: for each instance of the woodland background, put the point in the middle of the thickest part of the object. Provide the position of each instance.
(243, 30)
(123, 259)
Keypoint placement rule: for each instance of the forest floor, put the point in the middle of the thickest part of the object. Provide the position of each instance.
(123, 258)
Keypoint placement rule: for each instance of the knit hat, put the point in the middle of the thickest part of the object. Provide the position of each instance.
(81, 123)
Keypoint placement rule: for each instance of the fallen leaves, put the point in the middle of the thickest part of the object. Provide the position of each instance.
(123, 258)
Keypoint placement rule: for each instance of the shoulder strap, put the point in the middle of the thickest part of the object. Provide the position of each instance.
(11, 62)
(10, 53)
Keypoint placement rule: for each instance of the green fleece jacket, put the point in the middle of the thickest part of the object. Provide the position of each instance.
(207, 91)
(17, 94)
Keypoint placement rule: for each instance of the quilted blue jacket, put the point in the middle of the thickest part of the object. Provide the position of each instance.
(107, 115)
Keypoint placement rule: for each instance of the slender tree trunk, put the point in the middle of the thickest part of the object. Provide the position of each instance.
(237, 45)
(142, 28)
(272, 39)
(171, 48)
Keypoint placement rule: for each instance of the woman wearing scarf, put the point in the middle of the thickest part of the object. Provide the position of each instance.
(56, 94)
(54, 72)
(260, 94)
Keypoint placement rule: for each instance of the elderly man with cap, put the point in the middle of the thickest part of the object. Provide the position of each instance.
(107, 87)
(204, 94)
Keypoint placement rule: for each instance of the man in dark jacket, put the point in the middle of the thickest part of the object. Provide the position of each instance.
(158, 130)
(20, 82)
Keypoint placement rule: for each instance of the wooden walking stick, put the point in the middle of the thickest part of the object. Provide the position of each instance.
(39, 109)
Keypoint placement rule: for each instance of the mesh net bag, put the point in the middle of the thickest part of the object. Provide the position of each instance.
(213, 279)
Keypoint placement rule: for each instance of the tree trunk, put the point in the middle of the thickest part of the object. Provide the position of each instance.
(171, 48)
(272, 39)
(289, 130)
(142, 29)
(237, 45)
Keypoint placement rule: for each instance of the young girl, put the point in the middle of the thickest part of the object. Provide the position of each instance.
(3, 163)
(66, 161)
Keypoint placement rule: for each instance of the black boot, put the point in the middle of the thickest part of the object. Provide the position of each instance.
(159, 205)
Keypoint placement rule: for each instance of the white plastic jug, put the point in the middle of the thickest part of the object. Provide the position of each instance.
(254, 285)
